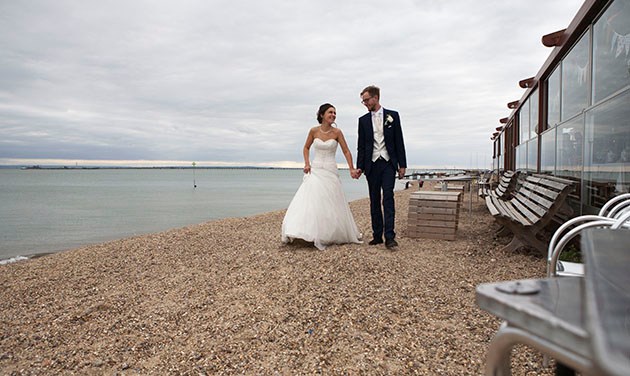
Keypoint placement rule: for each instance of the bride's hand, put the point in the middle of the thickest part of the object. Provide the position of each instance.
(307, 169)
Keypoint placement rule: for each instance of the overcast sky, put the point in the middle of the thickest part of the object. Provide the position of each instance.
(239, 82)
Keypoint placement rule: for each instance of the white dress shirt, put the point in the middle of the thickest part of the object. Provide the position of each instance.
(379, 149)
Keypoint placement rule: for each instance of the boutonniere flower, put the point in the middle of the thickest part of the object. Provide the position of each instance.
(389, 119)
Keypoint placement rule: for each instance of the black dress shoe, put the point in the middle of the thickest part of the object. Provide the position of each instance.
(391, 243)
(375, 241)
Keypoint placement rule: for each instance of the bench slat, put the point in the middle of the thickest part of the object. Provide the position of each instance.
(491, 206)
(541, 200)
(514, 209)
(549, 183)
(502, 207)
(504, 189)
(546, 196)
(529, 209)
(531, 205)
(507, 210)
(564, 182)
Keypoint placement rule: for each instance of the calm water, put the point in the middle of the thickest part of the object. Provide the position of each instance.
(51, 210)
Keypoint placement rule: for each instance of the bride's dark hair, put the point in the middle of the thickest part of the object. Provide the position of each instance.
(322, 110)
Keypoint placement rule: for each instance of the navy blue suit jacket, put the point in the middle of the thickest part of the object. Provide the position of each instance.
(394, 142)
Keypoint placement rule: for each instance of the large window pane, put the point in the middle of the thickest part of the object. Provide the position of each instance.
(553, 98)
(575, 88)
(523, 122)
(548, 152)
(533, 114)
(532, 155)
(570, 141)
(611, 55)
(497, 153)
(509, 148)
(607, 167)
(569, 158)
(521, 158)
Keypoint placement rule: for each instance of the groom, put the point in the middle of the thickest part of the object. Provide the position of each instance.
(380, 155)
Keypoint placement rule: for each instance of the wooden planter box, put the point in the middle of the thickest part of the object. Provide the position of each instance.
(433, 215)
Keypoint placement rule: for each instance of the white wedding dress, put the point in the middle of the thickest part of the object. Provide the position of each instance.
(319, 212)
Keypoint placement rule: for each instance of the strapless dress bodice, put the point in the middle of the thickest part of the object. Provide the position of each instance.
(324, 154)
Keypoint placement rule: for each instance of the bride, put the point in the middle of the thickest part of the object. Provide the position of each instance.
(319, 212)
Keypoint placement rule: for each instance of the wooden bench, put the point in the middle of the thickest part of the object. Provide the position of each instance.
(504, 190)
(484, 182)
(532, 206)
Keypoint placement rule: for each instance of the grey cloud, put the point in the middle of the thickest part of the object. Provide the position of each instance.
(207, 81)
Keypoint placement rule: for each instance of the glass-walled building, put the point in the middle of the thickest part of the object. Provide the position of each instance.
(574, 119)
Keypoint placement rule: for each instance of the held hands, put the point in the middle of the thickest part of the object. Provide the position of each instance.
(356, 173)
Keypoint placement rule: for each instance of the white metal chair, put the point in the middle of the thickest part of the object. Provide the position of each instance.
(616, 206)
(615, 214)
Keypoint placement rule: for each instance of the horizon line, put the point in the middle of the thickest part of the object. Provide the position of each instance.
(140, 163)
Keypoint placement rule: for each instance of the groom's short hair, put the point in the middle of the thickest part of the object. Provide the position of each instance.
(374, 91)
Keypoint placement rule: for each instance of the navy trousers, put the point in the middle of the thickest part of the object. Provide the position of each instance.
(381, 185)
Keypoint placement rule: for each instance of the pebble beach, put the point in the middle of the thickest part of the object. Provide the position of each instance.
(227, 297)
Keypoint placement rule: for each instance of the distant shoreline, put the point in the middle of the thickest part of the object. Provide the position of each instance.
(417, 171)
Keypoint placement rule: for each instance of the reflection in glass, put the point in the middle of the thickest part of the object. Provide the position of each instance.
(607, 159)
(570, 143)
(532, 155)
(521, 157)
(548, 152)
(553, 98)
(523, 122)
(611, 50)
(500, 153)
(575, 88)
(569, 157)
(533, 114)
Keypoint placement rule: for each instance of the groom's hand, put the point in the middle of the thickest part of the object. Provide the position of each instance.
(401, 172)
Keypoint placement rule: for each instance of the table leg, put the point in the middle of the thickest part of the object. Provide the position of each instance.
(498, 360)
(470, 193)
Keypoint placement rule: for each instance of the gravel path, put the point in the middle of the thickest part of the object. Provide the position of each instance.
(227, 297)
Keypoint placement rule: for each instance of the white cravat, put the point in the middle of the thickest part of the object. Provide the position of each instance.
(379, 149)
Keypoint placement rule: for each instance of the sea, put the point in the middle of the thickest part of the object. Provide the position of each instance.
(45, 210)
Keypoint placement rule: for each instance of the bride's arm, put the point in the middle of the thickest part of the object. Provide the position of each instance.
(306, 151)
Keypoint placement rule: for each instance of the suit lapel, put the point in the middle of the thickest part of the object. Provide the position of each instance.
(386, 127)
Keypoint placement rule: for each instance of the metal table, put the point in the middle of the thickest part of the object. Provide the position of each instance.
(584, 323)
